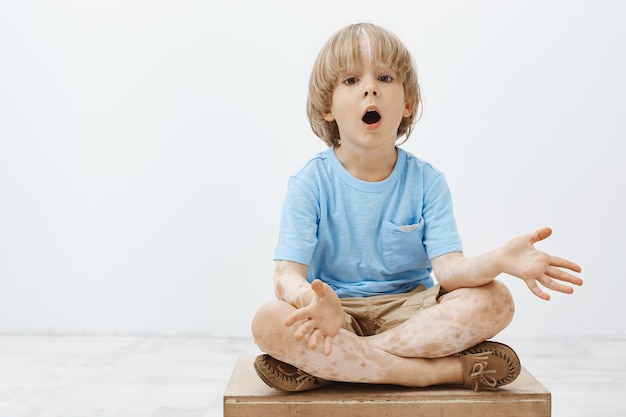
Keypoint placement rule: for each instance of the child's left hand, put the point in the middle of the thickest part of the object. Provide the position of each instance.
(321, 319)
(520, 259)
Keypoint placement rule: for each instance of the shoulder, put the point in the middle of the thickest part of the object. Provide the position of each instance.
(318, 162)
(313, 175)
(417, 166)
(315, 171)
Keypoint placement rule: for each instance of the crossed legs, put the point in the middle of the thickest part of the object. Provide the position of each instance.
(417, 353)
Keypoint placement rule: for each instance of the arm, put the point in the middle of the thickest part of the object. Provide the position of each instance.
(318, 315)
(518, 258)
(290, 284)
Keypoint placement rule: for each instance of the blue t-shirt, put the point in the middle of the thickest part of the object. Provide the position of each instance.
(367, 238)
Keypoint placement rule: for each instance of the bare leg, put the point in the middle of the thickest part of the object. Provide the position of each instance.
(462, 319)
(353, 358)
(401, 355)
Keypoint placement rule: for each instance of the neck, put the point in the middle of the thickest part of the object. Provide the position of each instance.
(367, 165)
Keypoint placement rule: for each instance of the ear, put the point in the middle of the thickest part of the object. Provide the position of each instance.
(408, 109)
(328, 116)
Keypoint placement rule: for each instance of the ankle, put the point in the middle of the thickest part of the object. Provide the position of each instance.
(437, 371)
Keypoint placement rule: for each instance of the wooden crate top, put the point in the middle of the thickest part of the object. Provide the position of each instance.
(246, 395)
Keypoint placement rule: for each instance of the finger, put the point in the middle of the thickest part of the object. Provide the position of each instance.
(534, 288)
(314, 339)
(564, 276)
(328, 345)
(553, 285)
(540, 235)
(298, 315)
(305, 328)
(318, 287)
(564, 263)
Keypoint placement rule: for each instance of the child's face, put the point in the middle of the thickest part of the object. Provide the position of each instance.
(368, 104)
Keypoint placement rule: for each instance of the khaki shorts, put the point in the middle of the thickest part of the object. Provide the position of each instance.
(366, 316)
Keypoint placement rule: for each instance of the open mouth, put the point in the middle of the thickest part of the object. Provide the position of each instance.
(371, 116)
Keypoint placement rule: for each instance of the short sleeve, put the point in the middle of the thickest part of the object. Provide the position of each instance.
(440, 234)
(298, 223)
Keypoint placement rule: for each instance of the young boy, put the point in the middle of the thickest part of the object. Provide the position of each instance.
(364, 224)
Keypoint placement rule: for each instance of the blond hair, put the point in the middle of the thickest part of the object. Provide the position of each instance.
(342, 52)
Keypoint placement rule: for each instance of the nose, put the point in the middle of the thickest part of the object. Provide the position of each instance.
(369, 86)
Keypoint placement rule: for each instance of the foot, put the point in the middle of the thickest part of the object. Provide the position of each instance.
(284, 377)
(489, 365)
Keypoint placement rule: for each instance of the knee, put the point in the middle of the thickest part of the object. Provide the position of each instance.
(267, 323)
(499, 303)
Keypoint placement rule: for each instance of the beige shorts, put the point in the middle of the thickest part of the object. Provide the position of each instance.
(366, 316)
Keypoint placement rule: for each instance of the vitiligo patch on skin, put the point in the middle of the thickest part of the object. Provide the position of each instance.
(396, 355)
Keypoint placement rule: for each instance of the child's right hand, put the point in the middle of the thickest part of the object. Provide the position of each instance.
(321, 320)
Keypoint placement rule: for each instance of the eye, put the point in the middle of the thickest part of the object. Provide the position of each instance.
(350, 80)
(385, 78)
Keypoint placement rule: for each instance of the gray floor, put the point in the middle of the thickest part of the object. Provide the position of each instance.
(101, 376)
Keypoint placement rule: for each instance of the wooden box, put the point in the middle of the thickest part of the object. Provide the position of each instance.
(247, 396)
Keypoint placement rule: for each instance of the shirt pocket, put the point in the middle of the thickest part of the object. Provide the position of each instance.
(403, 249)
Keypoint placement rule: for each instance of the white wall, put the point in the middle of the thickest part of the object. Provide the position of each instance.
(145, 148)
